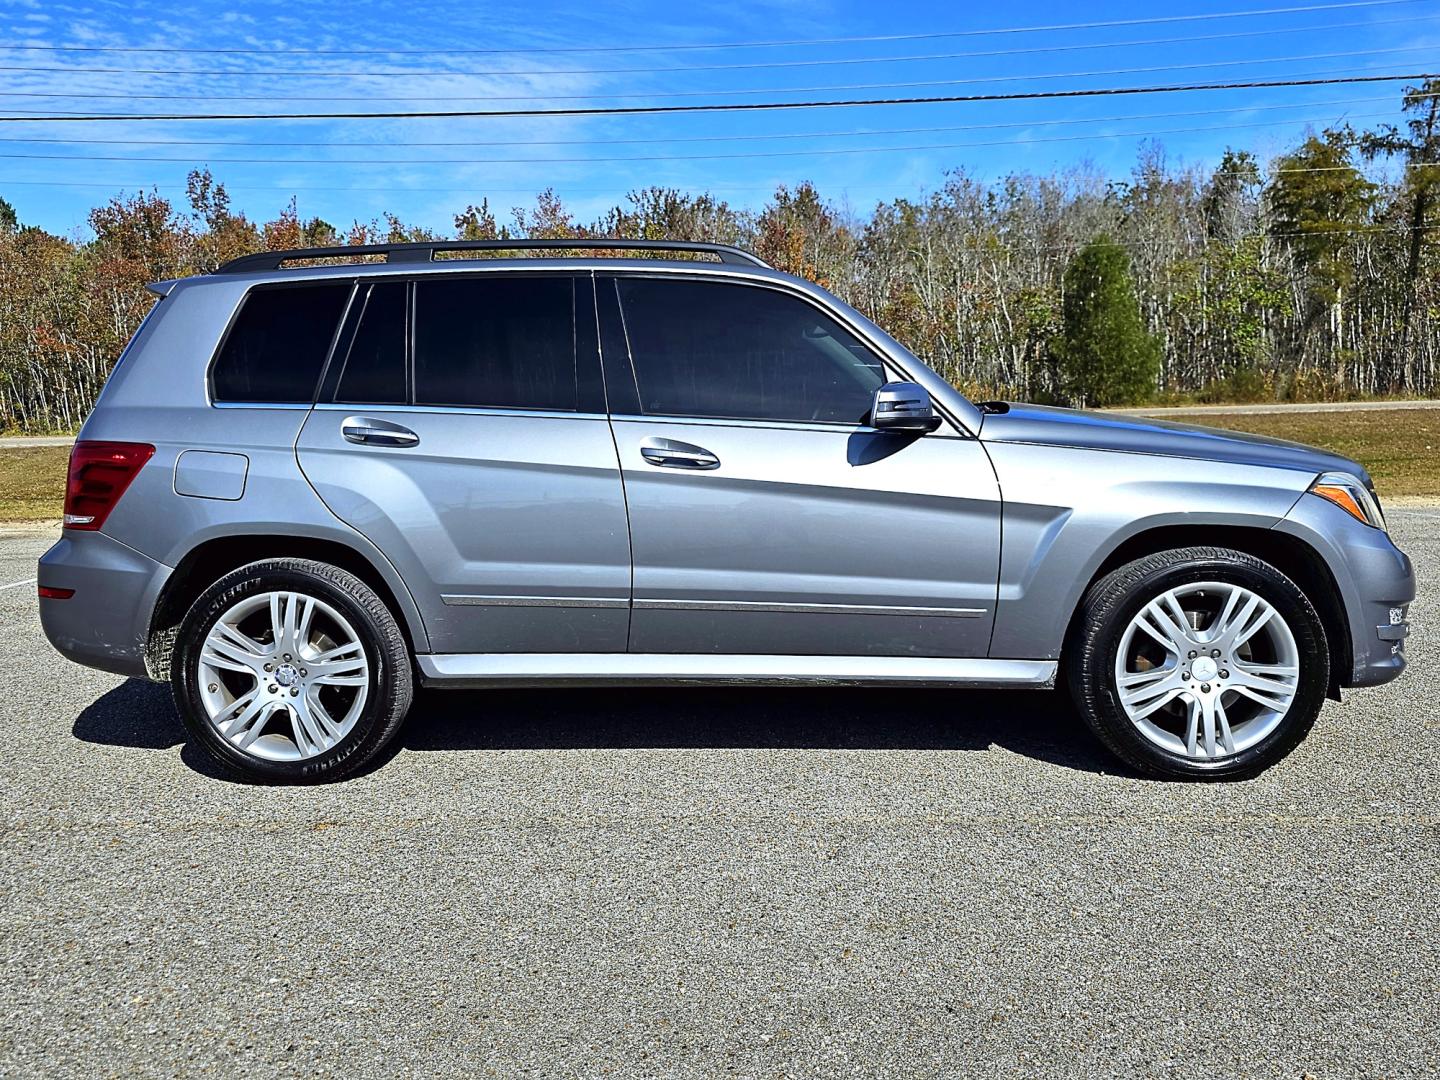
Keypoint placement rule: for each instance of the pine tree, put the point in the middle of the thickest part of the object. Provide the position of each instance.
(1421, 151)
(1319, 203)
(1105, 354)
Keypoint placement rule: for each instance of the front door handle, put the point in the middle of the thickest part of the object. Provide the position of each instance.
(372, 432)
(671, 454)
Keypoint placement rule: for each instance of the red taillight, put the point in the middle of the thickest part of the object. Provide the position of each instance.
(99, 474)
(49, 592)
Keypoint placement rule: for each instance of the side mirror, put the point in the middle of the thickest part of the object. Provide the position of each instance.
(903, 406)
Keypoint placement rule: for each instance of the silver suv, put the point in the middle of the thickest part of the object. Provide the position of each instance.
(308, 486)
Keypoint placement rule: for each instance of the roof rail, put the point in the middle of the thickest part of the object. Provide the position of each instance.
(425, 252)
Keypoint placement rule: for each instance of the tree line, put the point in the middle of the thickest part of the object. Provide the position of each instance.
(1312, 279)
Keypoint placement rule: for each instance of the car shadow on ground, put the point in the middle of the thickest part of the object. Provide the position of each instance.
(1036, 724)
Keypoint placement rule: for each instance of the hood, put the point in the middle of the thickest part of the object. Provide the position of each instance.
(1048, 426)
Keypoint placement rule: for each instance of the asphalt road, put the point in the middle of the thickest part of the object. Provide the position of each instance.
(698, 883)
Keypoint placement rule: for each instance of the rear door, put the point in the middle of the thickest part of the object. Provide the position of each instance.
(766, 517)
(461, 427)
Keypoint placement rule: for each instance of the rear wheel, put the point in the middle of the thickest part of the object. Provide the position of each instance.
(291, 671)
(1200, 663)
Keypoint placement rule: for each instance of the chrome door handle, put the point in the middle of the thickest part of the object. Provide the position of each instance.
(372, 432)
(671, 454)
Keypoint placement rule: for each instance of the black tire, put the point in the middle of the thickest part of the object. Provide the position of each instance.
(1117, 598)
(390, 688)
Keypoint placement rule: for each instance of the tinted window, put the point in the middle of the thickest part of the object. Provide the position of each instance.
(497, 342)
(374, 371)
(278, 343)
(711, 349)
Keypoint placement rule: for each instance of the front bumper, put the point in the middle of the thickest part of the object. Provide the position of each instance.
(106, 623)
(1375, 580)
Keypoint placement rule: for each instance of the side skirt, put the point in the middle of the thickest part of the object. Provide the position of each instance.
(623, 669)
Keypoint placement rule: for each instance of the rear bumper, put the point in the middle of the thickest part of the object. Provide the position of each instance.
(1376, 583)
(106, 623)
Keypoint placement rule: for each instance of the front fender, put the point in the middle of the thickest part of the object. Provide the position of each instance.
(1068, 509)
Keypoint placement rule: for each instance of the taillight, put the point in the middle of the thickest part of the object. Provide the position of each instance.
(99, 474)
(51, 592)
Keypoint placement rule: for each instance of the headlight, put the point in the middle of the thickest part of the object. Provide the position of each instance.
(1348, 493)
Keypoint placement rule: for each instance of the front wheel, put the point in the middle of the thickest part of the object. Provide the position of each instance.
(291, 671)
(1198, 663)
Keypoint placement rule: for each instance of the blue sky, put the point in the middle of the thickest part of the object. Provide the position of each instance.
(488, 55)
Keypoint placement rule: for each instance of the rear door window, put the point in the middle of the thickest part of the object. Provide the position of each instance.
(374, 367)
(713, 349)
(278, 343)
(502, 342)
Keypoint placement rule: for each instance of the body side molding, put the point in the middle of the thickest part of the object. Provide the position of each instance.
(620, 669)
(808, 609)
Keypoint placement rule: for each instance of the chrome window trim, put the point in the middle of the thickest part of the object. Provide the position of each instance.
(782, 425)
(260, 405)
(718, 421)
(464, 410)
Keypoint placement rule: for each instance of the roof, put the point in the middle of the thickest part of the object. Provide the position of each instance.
(424, 253)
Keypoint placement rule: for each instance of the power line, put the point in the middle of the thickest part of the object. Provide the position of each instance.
(764, 137)
(483, 188)
(688, 68)
(143, 185)
(850, 150)
(766, 106)
(698, 46)
(1351, 168)
(669, 95)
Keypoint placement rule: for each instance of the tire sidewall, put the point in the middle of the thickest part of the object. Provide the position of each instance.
(231, 590)
(1108, 628)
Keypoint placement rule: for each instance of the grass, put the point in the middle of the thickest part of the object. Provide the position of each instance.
(32, 483)
(1398, 446)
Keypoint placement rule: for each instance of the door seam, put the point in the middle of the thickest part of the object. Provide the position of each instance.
(615, 444)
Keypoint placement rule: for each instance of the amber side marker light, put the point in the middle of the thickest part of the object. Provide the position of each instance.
(1348, 493)
(99, 474)
(49, 592)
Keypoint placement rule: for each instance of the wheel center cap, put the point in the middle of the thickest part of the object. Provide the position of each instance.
(1204, 669)
(286, 675)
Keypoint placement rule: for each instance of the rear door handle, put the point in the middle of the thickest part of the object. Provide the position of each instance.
(671, 454)
(373, 432)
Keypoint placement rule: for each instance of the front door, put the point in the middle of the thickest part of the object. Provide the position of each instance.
(765, 517)
(462, 429)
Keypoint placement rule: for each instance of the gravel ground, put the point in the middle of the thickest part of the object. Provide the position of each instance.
(699, 883)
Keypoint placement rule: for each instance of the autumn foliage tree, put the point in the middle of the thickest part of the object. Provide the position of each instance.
(1305, 277)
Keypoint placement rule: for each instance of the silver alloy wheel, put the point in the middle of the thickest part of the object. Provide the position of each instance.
(1207, 670)
(283, 676)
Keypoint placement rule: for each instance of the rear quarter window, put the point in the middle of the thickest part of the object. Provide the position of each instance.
(278, 343)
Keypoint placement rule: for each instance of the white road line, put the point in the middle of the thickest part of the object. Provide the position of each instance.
(17, 584)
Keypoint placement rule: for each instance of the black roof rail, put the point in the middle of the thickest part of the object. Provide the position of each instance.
(425, 252)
